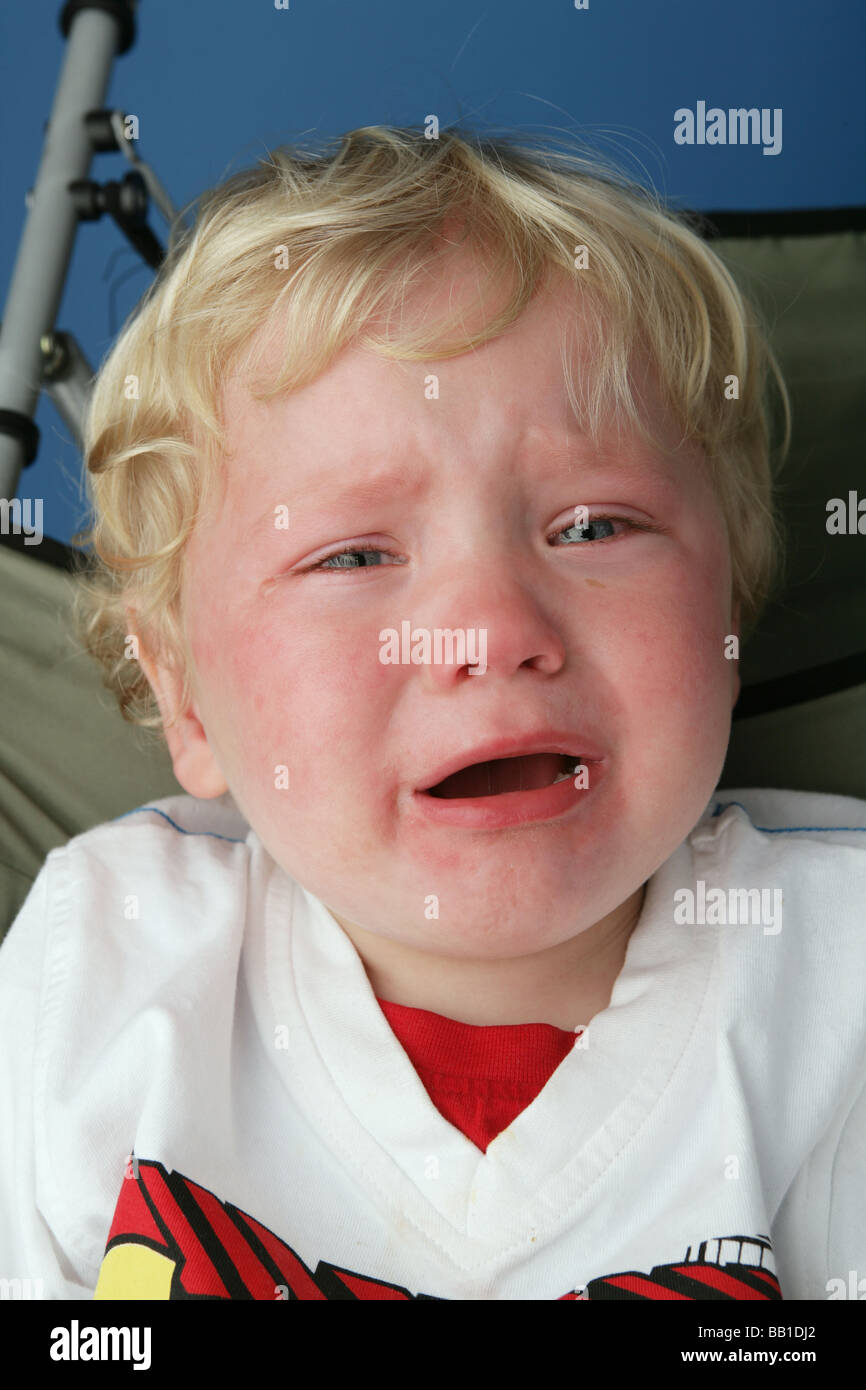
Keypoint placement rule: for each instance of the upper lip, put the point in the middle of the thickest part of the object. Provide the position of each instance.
(543, 741)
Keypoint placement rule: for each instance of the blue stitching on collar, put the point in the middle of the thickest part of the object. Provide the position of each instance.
(233, 840)
(785, 829)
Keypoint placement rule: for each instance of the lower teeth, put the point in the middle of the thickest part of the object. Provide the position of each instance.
(569, 772)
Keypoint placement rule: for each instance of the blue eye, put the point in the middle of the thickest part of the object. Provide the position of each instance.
(582, 532)
(358, 557)
(345, 559)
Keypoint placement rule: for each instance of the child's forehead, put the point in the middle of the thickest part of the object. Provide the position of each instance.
(460, 294)
(523, 370)
(364, 409)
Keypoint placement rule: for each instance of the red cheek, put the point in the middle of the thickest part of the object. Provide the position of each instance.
(203, 651)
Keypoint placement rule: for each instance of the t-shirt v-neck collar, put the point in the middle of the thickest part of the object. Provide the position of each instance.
(479, 1076)
(345, 1070)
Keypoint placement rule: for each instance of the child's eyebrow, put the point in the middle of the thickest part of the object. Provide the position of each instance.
(411, 478)
(326, 486)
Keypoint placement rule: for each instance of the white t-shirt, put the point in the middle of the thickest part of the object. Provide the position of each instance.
(168, 992)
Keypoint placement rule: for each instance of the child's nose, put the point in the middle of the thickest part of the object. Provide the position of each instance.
(487, 626)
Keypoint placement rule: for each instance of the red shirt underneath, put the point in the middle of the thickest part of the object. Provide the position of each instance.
(479, 1078)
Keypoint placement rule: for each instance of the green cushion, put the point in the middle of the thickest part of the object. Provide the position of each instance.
(813, 293)
(817, 746)
(68, 760)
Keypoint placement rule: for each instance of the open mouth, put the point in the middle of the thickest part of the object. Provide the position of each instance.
(527, 773)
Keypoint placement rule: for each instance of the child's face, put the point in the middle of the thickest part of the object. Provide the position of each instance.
(621, 641)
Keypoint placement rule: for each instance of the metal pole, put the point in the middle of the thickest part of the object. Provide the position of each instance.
(46, 244)
(66, 376)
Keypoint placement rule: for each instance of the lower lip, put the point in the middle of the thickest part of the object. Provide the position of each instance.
(509, 808)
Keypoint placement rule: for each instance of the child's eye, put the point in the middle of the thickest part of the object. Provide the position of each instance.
(345, 559)
(357, 557)
(578, 532)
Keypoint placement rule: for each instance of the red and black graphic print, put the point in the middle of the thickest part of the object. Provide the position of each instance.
(172, 1239)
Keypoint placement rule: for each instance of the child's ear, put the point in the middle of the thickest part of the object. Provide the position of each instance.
(195, 765)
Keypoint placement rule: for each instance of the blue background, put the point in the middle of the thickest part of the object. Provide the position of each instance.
(216, 82)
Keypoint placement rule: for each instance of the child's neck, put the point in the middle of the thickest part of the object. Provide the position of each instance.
(565, 986)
